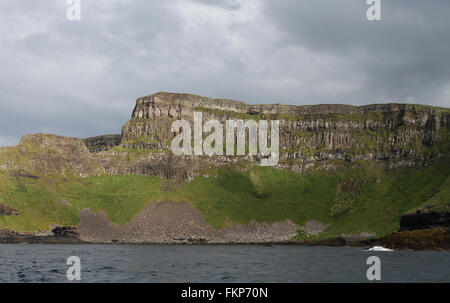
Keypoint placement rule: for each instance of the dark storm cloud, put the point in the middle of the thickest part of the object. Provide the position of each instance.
(81, 78)
(404, 57)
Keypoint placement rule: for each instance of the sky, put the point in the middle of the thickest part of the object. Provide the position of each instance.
(82, 78)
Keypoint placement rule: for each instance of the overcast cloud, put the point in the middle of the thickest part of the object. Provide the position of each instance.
(82, 78)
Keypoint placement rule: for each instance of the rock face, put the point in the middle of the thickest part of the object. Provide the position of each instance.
(7, 211)
(57, 237)
(422, 239)
(43, 154)
(392, 135)
(425, 228)
(388, 135)
(102, 143)
(312, 137)
(424, 218)
(66, 231)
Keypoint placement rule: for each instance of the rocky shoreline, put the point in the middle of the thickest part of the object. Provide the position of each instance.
(425, 239)
(178, 223)
(426, 228)
(52, 237)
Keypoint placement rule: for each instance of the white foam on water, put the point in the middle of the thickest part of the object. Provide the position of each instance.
(379, 248)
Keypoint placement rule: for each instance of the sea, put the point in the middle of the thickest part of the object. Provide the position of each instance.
(217, 263)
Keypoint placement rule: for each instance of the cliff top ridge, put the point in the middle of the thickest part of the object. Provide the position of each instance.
(192, 101)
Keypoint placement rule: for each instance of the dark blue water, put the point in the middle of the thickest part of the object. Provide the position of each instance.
(221, 263)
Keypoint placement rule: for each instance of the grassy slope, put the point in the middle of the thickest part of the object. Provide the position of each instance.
(440, 200)
(264, 194)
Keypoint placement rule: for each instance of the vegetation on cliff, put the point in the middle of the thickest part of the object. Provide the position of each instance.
(350, 200)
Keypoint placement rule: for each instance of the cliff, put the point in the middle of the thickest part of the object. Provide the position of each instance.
(348, 171)
(312, 137)
(393, 134)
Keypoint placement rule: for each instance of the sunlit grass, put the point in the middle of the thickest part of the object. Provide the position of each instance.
(234, 197)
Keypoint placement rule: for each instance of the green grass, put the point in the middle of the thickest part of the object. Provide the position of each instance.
(373, 202)
(278, 195)
(39, 201)
(440, 200)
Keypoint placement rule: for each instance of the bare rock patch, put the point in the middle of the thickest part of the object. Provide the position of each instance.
(8, 211)
(314, 227)
(261, 232)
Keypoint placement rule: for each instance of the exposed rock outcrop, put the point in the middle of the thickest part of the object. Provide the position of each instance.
(423, 239)
(391, 135)
(60, 236)
(102, 143)
(8, 211)
(43, 154)
(426, 217)
(314, 227)
(66, 231)
(425, 228)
